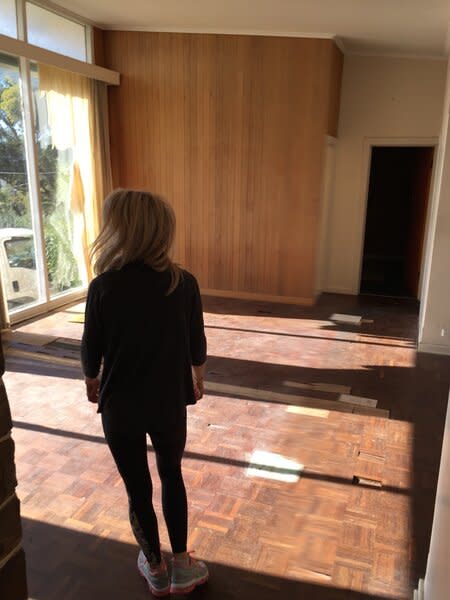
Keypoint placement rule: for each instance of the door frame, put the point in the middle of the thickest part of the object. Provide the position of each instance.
(400, 142)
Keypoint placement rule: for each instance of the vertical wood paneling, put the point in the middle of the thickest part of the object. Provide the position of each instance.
(231, 130)
(98, 47)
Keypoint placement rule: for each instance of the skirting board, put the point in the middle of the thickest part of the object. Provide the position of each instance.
(259, 297)
(339, 290)
(434, 349)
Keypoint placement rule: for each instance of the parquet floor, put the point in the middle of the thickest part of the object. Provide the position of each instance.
(318, 535)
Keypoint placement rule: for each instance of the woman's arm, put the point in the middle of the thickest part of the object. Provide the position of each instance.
(91, 344)
(198, 345)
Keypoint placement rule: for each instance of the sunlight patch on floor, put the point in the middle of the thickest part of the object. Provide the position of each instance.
(274, 466)
(308, 412)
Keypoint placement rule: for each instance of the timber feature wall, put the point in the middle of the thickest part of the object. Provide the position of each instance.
(231, 130)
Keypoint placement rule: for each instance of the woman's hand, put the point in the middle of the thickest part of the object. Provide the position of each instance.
(199, 386)
(92, 389)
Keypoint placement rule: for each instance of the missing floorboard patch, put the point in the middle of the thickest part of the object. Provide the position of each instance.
(366, 482)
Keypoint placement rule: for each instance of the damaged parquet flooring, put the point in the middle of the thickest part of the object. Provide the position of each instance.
(352, 522)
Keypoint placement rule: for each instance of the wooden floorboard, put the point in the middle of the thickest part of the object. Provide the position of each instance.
(321, 536)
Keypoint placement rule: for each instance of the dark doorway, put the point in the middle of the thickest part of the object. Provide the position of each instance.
(399, 188)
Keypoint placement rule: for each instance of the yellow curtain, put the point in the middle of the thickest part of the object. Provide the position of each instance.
(75, 113)
(101, 147)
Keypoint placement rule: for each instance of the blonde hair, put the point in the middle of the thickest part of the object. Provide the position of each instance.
(137, 227)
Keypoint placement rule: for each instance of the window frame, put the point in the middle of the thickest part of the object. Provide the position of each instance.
(26, 54)
(22, 25)
(45, 301)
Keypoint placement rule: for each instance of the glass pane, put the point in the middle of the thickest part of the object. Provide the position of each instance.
(17, 242)
(20, 253)
(53, 32)
(8, 23)
(65, 159)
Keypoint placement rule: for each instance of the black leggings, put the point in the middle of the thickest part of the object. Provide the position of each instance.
(129, 451)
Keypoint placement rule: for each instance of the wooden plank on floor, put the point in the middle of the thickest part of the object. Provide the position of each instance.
(320, 387)
(38, 356)
(31, 339)
(371, 412)
(349, 319)
(68, 342)
(275, 397)
(50, 350)
(358, 400)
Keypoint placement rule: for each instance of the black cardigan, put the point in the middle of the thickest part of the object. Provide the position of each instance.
(148, 341)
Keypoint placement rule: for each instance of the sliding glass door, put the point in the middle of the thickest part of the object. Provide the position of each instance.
(18, 243)
(50, 188)
(46, 184)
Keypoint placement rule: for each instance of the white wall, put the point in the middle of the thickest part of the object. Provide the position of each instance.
(381, 98)
(437, 579)
(434, 324)
(325, 208)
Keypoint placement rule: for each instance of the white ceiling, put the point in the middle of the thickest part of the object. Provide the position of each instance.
(415, 27)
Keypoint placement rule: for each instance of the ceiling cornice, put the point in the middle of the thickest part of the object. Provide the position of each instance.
(340, 43)
(219, 31)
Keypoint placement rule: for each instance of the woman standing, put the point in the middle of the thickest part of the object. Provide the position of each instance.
(144, 320)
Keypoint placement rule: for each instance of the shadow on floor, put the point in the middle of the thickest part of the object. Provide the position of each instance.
(417, 393)
(69, 564)
(223, 460)
(398, 313)
(392, 386)
(371, 342)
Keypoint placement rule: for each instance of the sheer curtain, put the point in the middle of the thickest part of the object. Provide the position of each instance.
(77, 118)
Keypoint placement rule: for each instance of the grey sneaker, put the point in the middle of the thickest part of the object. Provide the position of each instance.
(186, 577)
(157, 579)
